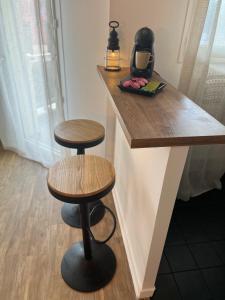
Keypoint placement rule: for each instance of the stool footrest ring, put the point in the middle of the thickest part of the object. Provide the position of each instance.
(114, 224)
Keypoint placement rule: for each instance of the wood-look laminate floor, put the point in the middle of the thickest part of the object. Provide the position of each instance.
(33, 239)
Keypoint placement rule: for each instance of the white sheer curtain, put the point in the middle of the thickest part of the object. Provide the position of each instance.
(203, 80)
(30, 91)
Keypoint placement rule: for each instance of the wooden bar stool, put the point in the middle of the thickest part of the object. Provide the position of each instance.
(90, 264)
(80, 134)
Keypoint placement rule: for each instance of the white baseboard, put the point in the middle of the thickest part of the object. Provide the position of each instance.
(140, 293)
(146, 293)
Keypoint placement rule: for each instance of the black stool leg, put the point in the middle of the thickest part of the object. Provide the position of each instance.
(80, 151)
(71, 212)
(88, 266)
(84, 213)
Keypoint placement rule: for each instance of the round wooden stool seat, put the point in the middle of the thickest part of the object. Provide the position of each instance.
(79, 133)
(81, 178)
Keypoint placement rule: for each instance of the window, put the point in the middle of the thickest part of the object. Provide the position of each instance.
(29, 77)
(216, 7)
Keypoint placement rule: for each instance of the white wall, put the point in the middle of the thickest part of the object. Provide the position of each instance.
(165, 18)
(85, 33)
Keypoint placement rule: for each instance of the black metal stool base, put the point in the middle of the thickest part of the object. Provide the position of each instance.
(71, 214)
(88, 275)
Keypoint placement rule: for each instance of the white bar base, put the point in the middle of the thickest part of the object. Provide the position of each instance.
(140, 294)
(144, 195)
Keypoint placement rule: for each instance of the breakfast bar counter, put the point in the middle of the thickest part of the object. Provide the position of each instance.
(148, 139)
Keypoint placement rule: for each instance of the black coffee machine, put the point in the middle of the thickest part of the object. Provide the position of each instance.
(144, 40)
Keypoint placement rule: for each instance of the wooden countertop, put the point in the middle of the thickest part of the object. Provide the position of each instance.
(168, 119)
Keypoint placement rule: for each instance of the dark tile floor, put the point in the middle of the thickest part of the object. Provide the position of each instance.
(193, 262)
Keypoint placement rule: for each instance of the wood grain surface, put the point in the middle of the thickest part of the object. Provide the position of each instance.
(79, 131)
(33, 239)
(168, 119)
(81, 176)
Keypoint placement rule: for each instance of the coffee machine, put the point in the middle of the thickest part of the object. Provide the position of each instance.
(142, 58)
